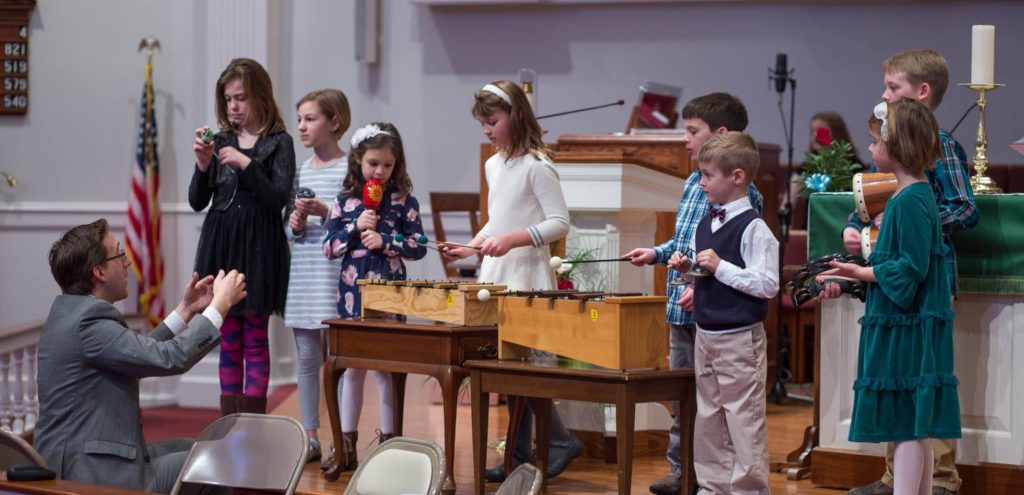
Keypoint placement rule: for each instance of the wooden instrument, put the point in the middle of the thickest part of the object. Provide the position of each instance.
(446, 301)
(870, 193)
(868, 239)
(619, 331)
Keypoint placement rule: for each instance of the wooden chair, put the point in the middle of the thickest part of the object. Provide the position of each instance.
(456, 202)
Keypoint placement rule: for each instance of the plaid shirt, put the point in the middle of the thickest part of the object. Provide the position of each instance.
(951, 184)
(692, 208)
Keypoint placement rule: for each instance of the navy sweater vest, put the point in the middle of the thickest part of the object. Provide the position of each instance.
(716, 305)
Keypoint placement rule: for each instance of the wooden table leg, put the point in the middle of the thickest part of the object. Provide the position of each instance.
(516, 409)
(450, 381)
(480, 406)
(398, 401)
(687, 414)
(331, 375)
(625, 414)
(542, 416)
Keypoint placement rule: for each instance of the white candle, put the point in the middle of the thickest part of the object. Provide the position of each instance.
(983, 48)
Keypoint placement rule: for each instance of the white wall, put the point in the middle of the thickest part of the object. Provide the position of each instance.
(72, 153)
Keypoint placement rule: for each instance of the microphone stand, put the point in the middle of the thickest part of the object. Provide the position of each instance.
(778, 392)
(559, 114)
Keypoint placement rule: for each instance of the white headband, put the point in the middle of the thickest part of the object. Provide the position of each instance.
(882, 113)
(366, 132)
(490, 88)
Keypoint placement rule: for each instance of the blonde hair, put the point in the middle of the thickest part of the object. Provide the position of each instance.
(913, 134)
(526, 134)
(922, 66)
(730, 151)
(334, 105)
(259, 94)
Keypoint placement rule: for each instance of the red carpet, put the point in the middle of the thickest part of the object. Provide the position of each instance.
(165, 423)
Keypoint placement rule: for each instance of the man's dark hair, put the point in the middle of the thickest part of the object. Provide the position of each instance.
(73, 256)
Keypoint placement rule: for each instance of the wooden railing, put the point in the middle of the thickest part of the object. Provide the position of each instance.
(19, 401)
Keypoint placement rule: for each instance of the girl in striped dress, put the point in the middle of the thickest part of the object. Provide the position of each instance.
(364, 240)
(324, 116)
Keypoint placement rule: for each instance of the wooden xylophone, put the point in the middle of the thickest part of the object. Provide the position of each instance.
(439, 300)
(619, 331)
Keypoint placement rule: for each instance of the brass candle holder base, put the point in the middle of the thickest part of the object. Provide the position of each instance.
(980, 183)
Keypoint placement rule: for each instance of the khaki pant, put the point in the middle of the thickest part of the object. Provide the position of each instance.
(730, 445)
(945, 475)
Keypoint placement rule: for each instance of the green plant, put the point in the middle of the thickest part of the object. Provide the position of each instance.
(828, 170)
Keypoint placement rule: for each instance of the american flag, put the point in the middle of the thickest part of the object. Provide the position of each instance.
(143, 233)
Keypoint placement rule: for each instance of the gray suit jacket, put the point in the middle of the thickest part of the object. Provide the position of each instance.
(90, 364)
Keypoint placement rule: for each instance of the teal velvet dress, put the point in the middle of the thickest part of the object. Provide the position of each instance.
(905, 387)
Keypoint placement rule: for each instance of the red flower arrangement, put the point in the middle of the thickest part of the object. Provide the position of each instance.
(823, 136)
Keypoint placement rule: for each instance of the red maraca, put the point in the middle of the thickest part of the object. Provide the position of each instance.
(373, 193)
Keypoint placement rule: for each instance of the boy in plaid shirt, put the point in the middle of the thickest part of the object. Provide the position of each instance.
(703, 117)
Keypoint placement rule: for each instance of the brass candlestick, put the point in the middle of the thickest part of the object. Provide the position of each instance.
(980, 183)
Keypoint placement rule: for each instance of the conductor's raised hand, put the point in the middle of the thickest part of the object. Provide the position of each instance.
(228, 290)
(640, 256)
(680, 262)
(231, 157)
(367, 220)
(203, 151)
(686, 300)
(198, 294)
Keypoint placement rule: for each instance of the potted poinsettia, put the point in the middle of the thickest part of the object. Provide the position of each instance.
(829, 169)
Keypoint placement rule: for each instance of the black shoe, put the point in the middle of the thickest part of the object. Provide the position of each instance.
(495, 474)
(669, 485)
(557, 465)
(876, 488)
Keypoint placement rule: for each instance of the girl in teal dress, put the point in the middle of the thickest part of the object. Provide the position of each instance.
(905, 390)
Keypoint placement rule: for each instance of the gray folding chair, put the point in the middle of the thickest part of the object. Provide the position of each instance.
(523, 480)
(254, 451)
(400, 466)
(14, 450)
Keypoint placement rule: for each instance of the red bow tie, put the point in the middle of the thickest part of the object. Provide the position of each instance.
(716, 212)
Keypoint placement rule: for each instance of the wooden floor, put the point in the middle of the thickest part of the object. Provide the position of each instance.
(585, 476)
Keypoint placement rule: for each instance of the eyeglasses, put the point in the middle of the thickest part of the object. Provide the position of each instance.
(123, 255)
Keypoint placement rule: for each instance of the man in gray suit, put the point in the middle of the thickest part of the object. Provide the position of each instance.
(90, 364)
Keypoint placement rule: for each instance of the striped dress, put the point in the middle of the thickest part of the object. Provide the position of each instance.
(313, 285)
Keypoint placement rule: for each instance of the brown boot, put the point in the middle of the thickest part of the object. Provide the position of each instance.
(383, 437)
(249, 404)
(228, 404)
(349, 462)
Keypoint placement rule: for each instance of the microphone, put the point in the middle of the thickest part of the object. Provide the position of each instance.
(781, 74)
(620, 102)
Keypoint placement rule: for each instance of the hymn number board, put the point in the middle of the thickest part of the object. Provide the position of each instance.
(14, 63)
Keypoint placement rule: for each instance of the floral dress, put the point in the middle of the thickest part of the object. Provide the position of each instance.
(398, 214)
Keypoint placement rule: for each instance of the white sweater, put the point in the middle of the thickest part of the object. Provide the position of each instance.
(523, 194)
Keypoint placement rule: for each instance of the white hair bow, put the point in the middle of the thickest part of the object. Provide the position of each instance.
(882, 113)
(366, 132)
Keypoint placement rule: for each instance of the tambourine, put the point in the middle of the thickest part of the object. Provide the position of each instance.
(804, 285)
(870, 193)
(868, 239)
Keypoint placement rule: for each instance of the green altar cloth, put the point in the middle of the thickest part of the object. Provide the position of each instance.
(990, 257)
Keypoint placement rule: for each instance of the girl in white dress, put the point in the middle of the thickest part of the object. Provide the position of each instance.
(526, 212)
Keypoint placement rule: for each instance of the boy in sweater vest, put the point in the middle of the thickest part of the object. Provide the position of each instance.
(737, 247)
